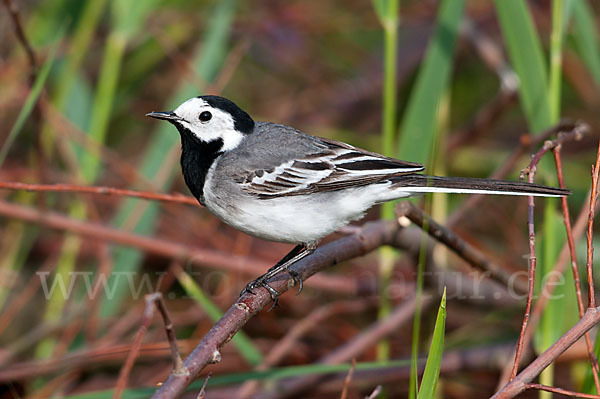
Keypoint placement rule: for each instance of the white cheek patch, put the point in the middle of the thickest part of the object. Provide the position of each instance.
(220, 126)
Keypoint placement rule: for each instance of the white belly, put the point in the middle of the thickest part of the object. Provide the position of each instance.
(297, 219)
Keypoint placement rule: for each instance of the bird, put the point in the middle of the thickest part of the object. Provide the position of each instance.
(277, 183)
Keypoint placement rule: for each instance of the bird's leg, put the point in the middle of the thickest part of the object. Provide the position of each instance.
(299, 252)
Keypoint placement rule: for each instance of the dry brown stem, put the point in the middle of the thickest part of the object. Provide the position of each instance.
(519, 383)
(152, 301)
(561, 391)
(371, 236)
(74, 188)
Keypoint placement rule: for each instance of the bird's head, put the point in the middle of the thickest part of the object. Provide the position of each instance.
(210, 118)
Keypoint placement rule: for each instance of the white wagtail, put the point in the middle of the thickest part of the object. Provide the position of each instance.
(277, 183)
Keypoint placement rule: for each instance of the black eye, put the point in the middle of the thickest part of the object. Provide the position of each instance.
(205, 116)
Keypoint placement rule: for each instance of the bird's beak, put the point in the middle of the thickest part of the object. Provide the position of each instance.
(167, 116)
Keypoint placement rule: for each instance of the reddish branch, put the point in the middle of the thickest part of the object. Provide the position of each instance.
(561, 391)
(521, 381)
(347, 380)
(575, 134)
(152, 301)
(73, 188)
(590, 231)
(574, 269)
(569, 229)
(530, 278)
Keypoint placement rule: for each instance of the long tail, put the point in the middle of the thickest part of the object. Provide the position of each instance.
(416, 184)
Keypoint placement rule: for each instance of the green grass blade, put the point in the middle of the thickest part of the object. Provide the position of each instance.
(241, 341)
(416, 332)
(69, 81)
(560, 14)
(127, 20)
(238, 378)
(419, 122)
(418, 127)
(387, 10)
(434, 359)
(30, 101)
(389, 21)
(129, 17)
(80, 44)
(586, 37)
(103, 102)
(525, 53)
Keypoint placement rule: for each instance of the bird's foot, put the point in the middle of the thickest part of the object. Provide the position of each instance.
(296, 279)
(261, 282)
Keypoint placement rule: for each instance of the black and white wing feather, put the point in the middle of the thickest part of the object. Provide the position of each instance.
(335, 166)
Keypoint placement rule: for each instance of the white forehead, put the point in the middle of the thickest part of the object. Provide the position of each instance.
(190, 107)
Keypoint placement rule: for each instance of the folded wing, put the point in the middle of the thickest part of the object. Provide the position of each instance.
(336, 166)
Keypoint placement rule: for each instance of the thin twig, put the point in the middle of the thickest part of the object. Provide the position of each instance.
(10, 311)
(575, 134)
(569, 230)
(202, 392)
(135, 347)
(574, 269)
(152, 301)
(86, 359)
(348, 379)
(561, 391)
(158, 300)
(74, 188)
(530, 278)
(590, 231)
(375, 392)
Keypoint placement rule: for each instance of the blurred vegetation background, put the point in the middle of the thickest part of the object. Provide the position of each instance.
(456, 85)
